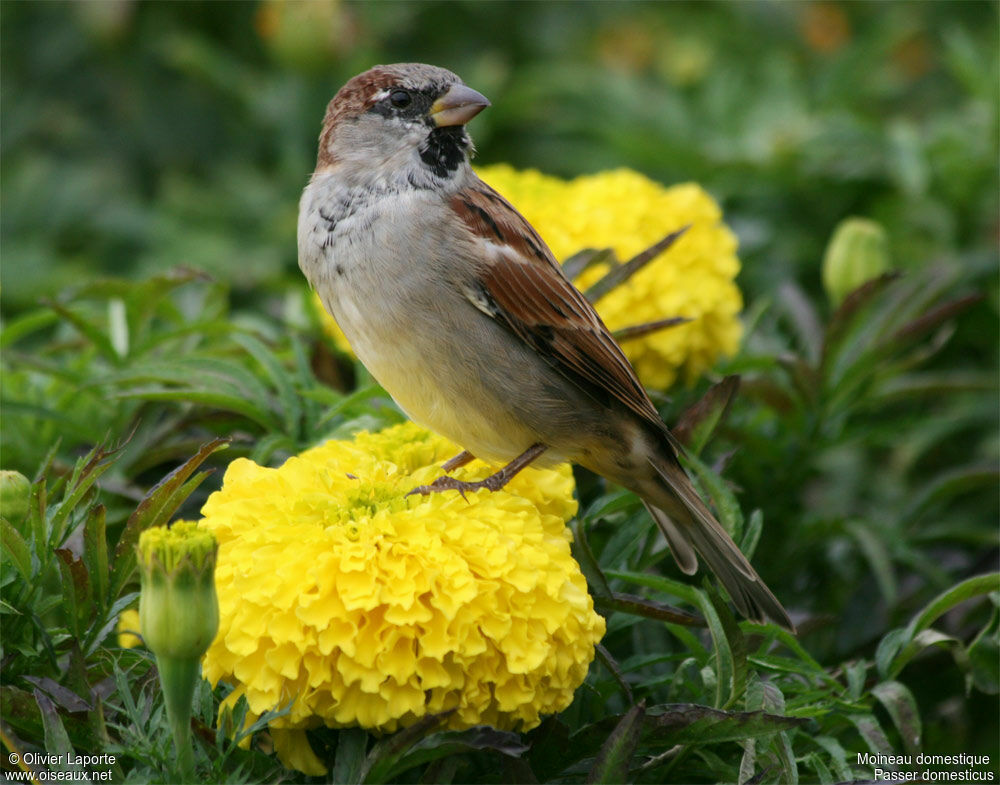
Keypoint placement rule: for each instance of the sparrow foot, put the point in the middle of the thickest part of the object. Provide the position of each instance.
(459, 460)
(494, 482)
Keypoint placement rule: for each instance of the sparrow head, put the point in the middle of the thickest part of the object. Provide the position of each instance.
(399, 121)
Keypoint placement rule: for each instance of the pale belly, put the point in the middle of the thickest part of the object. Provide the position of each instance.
(447, 365)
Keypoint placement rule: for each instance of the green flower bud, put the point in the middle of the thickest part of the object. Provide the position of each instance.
(178, 608)
(178, 616)
(857, 252)
(15, 494)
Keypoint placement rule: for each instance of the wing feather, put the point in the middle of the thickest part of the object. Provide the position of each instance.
(532, 297)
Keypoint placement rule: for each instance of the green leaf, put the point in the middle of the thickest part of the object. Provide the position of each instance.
(984, 654)
(902, 707)
(838, 756)
(878, 558)
(751, 533)
(29, 323)
(728, 509)
(887, 650)
(352, 746)
(451, 743)
(387, 752)
(699, 422)
(692, 724)
(85, 473)
(90, 330)
(736, 645)
(944, 602)
(949, 484)
(925, 639)
(588, 564)
(76, 590)
(56, 739)
(95, 552)
(871, 732)
(612, 762)
(638, 606)
(157, 506)
(15, 549)
(289, 399)
(615, 670)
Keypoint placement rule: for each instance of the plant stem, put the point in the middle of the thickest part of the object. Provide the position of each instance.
(178, 678)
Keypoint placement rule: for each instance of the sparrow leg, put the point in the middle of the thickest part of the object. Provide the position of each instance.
(458, 461)
(494, 482)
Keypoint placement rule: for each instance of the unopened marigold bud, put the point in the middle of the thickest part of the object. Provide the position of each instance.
(857, 252)
(15, 494)
(178, 609)
(178, 616)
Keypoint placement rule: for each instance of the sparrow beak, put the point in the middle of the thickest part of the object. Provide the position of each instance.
(456, 107)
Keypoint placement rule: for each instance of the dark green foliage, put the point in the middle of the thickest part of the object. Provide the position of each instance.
(152, 315)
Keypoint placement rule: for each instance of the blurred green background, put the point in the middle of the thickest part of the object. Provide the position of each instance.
(140, 136)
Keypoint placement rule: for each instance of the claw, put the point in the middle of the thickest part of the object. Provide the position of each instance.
(448, 484)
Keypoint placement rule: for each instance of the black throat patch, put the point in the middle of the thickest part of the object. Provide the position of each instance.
(444, 149)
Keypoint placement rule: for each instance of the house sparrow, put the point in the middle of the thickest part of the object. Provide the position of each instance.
(460, 311)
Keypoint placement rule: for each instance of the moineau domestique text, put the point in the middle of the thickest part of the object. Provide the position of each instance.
(963, 759)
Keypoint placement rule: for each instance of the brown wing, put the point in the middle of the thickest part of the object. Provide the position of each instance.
(527, 291)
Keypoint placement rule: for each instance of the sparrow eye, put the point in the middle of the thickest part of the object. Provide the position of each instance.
(400, 98)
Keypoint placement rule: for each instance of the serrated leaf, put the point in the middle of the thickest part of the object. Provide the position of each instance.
(612, 762)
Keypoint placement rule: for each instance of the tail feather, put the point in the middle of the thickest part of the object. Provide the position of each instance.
(689, 526)
(683, 553)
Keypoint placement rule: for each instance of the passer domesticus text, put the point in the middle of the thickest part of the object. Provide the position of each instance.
(461, 312)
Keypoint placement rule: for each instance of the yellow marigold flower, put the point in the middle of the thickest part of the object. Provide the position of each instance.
(363, 606)
(627, 212)
(128, 626)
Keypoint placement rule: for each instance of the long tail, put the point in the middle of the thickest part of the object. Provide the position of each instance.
(689, 526)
